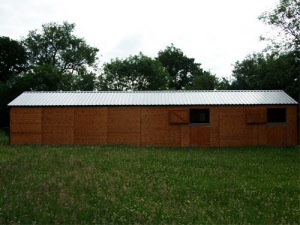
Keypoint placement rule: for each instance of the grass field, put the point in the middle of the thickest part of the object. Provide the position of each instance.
(138, 185)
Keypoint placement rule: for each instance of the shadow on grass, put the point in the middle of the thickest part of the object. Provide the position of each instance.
(4, 136)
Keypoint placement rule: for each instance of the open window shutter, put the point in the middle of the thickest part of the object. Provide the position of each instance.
(179, 116)
(256, 116)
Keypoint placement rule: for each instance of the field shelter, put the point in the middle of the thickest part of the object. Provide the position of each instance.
(154, 118)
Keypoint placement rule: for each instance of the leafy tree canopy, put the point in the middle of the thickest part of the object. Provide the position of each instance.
(181, 68)
(285, 18)
(137, 72)
(269, 72)
(224, 84)
(12, 58)
(56, 45)
(207, 81)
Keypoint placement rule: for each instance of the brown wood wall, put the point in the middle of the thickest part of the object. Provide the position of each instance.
(26, 125)
(156, 125)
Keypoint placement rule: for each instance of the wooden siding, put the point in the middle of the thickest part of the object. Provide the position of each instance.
(234, 129)
(124, 125)
(58, 125)
(90, 125)
(156, 129)
(146, 125)
(25, 125)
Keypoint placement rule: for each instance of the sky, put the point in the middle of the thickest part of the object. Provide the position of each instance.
(217, 33)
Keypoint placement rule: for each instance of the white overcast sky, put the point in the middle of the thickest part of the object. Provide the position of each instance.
(216, 33)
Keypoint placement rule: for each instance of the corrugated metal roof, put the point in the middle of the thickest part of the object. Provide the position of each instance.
(98, 98)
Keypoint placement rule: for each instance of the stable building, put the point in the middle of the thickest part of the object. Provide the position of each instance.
(155, 118)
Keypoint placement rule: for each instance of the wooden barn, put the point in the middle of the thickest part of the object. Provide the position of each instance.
(155, 118)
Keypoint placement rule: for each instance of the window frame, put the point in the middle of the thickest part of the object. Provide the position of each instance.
(276, 122)
(199, 123)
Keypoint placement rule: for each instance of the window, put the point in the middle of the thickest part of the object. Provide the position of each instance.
(276, 115)
(199, 115)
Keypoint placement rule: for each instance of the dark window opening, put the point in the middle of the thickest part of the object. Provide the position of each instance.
(199, 115)
(276, 115)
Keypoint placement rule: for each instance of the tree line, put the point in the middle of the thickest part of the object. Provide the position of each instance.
(54, 59)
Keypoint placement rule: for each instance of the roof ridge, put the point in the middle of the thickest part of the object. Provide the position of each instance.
(153, 91)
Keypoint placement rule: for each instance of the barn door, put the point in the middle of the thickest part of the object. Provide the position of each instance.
(199, 135)
(277, 134)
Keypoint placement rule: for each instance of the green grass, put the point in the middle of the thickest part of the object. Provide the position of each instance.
(139, 185)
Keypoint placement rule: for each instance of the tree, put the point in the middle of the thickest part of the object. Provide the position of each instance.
(181, 68)
(44, 78)
(59, 60)
(285, 18)
(56, 45)
(137, 72)
(224, 84)
(269, 72)
(12, 58)
(207, 81)
(85, 81)
(280, 68)
(249, 73)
